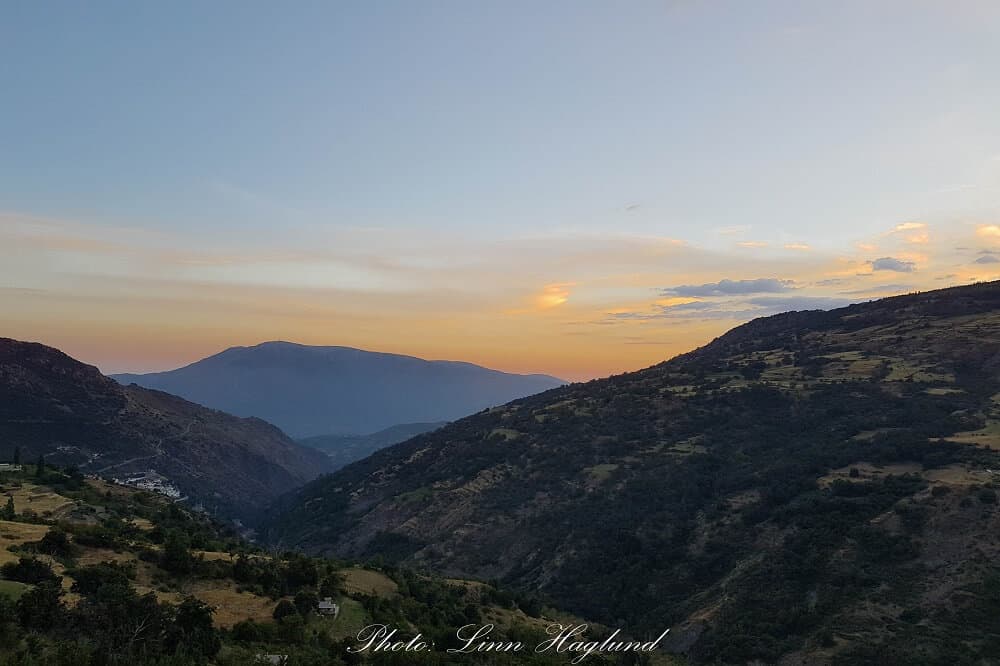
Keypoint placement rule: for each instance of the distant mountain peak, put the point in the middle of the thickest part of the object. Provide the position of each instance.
(316, 390)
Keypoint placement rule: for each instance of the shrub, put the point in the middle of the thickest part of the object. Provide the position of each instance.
(29, 570)
(285, 608)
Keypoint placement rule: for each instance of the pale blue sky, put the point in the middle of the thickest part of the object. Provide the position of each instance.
(423, 135)
(784, 116)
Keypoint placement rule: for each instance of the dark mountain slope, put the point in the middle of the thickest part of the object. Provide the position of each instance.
(54, 405)
(807, 487)
(345, 449)
(309, 391)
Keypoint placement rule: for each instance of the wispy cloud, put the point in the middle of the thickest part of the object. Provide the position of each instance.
(893, 264)
(731, 287)
(774, 305)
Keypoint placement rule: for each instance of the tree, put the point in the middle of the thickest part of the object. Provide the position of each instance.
(248, 631)
(40, 466)
(89, 580)
(125, 627)
(29, 570)
(17, 455)
(301, 572)
(243, 570)
(56, 543)
(532, 607)
(193, 632)
(9, 513)
(285, 608)
(305, 602)
(41, 607)
(177, 557)
(292, 629)
(331, 585)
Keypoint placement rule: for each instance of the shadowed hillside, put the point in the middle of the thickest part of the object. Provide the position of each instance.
(54, 405)
(345, 449)
(817, 487)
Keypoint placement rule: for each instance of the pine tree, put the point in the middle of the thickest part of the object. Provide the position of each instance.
(9, 513)
(17, 455)
(40, 467)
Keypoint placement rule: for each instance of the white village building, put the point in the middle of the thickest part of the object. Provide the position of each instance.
(327, 607)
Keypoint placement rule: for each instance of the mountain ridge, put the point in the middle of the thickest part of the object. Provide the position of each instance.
(345, 449)
(321, 390)
(56, 406)
(758, 493)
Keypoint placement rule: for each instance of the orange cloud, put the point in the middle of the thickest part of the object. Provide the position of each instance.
(553, 295)
(990, 231)
(803, 247)
(753, 244)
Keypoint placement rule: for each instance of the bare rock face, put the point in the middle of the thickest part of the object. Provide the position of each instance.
(53, 405)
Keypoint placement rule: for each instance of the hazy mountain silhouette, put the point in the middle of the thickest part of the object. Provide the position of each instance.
(308, 391)
(345, 449)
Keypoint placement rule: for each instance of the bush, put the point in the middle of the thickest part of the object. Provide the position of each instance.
(41, 608)
(305, 602)
(55, 543)
(89, 580)
(177, 557)
(29, 570)
(285, 608)
(249, 631)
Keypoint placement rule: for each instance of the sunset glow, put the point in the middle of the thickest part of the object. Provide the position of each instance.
(565, 208)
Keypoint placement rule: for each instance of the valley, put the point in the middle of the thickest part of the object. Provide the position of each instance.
(93, 570)
(54, 406)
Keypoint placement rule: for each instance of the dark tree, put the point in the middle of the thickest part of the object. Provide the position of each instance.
(9, 513)
(56, 543)
(177, 557)
(285, 608)
(331, 585)
(193, 632)
(301, 572)
(305, 602)
(41, 608)
(29, 570)
(89, 580)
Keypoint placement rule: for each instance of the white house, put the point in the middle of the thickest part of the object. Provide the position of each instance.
(327, 607)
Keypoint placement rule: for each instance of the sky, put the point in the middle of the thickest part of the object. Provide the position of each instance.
(576, 188)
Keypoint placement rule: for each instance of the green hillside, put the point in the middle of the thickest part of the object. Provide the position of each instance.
(813, 487)
(98, 574)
